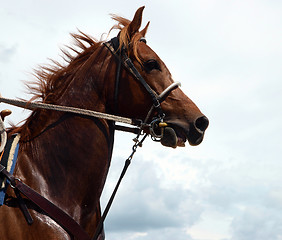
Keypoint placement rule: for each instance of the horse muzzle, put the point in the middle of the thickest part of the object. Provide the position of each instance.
(175, 133)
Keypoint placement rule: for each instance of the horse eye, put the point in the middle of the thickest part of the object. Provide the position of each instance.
(151, 65)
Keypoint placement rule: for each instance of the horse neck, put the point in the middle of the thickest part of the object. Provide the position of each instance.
(68, 160)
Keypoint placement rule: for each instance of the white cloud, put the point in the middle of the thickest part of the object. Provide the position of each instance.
(257, 222)
(144, 205)
(6, 53)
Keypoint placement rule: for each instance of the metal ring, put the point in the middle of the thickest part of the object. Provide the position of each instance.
(12, 185)
(154, 135)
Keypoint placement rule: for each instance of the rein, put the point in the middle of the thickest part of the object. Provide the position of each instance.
(80, 111)
(58, 215)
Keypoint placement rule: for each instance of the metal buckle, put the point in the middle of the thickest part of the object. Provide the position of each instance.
(156, 129)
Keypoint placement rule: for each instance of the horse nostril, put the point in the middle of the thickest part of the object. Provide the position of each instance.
(202, 123)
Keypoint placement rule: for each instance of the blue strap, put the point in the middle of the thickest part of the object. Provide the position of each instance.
(12, 158)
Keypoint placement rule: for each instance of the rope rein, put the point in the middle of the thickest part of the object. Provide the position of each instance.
(34, 105)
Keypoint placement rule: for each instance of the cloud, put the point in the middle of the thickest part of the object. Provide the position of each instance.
(195, 198)
(165, 183)
(143, 205)
(257, 222)
(178, 234)
(6, 53)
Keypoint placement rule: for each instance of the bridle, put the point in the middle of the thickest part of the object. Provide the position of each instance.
(157, 122)
(123, 59)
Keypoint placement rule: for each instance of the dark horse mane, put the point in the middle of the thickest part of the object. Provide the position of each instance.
(52, 80)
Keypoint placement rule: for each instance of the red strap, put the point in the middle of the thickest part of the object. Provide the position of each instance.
(58, 215)
(54, 212)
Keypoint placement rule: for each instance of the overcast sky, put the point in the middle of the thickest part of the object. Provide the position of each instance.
(228, 56)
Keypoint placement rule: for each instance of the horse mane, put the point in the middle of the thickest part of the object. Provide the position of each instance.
(51, 80)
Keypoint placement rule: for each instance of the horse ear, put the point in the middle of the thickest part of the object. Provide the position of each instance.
(144, 31)
(136, 22)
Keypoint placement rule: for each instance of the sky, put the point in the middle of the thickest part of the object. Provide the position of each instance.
(228, 56)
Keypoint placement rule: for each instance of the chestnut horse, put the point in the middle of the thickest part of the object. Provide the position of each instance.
(66, 157)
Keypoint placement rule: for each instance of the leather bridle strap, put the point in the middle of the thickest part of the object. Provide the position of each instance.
(58, 215)
(138, 143)
(130, 66)
(113, 46)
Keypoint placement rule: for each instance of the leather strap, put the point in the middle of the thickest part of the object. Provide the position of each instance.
(58, 215)
(23, 207)
(127, 63)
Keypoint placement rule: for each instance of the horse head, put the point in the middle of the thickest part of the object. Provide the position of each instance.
(184, 120)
